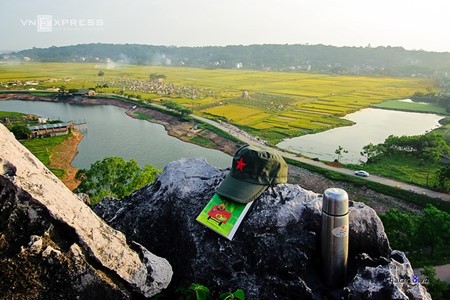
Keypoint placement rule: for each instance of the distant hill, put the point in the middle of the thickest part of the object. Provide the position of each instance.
(380, 61)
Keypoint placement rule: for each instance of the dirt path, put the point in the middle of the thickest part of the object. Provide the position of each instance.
(62, 156)
(185, 130)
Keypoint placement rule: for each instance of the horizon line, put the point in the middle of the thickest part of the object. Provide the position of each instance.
(7, 51)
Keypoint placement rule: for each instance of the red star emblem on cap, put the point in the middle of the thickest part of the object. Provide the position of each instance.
(240, 165)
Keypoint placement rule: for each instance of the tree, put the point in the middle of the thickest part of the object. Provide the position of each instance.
(434, 228)
(439, 290)
(114, 177)
(185, 111)
(371, 151)
(62, 90)
(340, 151)
(156, 76)
(443, 178)
(429, 146)
(178, 108)
(401, 228)
(21, 132)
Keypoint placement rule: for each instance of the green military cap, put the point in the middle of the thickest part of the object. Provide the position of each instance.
(253, 170)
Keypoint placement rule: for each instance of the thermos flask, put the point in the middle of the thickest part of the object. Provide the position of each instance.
(334, 236)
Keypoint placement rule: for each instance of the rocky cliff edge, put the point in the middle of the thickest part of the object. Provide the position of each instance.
(275, 254)
(53, 246)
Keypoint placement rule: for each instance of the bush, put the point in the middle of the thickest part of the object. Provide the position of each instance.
(438, 289)
(21, 132)
(114, 177)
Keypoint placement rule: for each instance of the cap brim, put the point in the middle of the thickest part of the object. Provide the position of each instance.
(240, 191)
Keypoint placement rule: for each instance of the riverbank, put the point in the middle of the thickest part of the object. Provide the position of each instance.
(62, 155)
(306, 179)
(191, 131)
(185, 130)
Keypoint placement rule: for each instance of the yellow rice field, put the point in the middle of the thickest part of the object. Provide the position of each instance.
(279, 105)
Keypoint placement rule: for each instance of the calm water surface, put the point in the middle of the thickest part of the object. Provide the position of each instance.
(112, 133)
(372, 126)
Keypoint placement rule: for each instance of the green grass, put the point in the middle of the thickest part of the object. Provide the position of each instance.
(201, 141)
(9, 114)
(218, 131)
(402, 168)
(41, 148)
(14, 117)
(411, 106)
(142, 116)
(407, 196)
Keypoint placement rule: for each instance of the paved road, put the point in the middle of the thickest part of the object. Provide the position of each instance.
(245, 138)
(443, 272)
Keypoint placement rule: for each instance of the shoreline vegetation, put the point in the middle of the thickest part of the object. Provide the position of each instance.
(270, 106)
(189, 131)
(381, 198)
(266, 104)
(182, 128)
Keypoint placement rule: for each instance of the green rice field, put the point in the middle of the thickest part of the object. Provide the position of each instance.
(279, 105)
(411, 106)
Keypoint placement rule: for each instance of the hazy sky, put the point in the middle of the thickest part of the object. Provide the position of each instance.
(411, 24)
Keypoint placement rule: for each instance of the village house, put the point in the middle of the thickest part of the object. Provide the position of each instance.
(42, 120)
(46, 130)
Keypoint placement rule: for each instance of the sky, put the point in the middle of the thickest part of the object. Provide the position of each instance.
(411, 24)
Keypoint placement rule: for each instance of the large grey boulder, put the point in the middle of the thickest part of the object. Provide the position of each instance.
(394, 280)
(275, 253)
(53, 246)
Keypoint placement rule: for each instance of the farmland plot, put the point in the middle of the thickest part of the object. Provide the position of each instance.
(279, 105)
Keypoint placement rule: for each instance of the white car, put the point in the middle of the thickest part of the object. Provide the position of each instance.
(362, 173)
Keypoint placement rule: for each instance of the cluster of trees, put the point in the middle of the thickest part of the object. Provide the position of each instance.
(437, 99)
(429, 147)
(114, 177)
(413, 233)
(21, 132)
(439, 289)
(394, 61)
(183, 111)
(156, 76)
(423, 238)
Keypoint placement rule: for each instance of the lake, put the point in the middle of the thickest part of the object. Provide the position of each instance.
(112, 133)
(372, 126)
